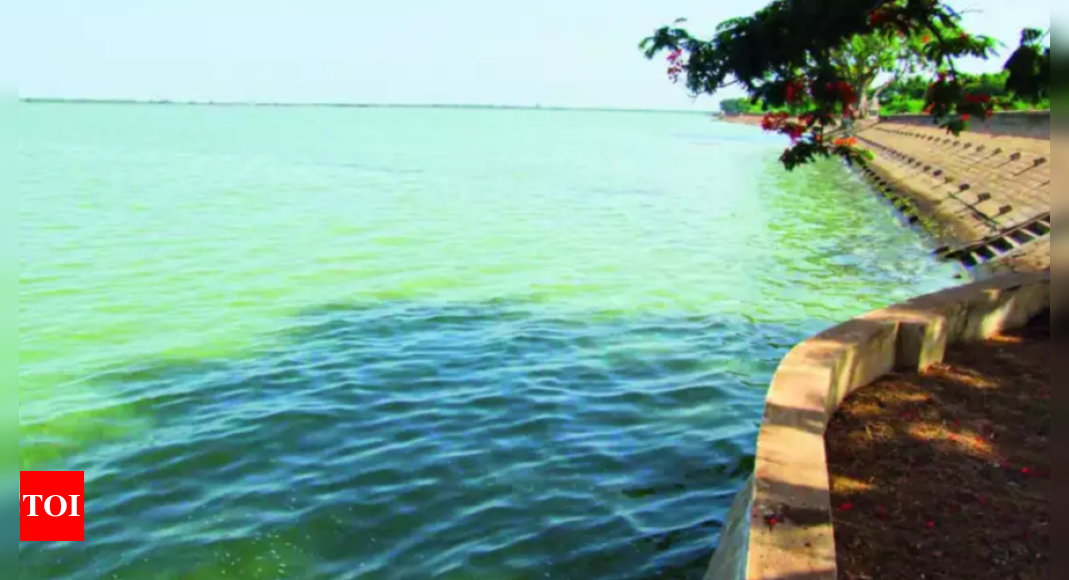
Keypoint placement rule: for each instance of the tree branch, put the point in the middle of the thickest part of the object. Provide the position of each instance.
(943, 57)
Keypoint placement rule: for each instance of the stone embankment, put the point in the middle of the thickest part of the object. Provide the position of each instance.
(1030, 124)
(986, 195)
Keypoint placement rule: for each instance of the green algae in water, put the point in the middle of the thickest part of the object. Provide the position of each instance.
(413, 344)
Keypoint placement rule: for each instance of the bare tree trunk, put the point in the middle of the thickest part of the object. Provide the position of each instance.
(863, 97)
(863, 106)
(879, 90)
(876, 95)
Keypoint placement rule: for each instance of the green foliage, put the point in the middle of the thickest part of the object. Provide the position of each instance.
(1029, 67)
(739, 107)
(862, 58)
(1017, 105)
(909, 95)
(818, 58)
(748, 107)
(903, 107)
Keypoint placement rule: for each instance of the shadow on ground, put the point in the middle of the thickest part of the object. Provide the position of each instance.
(947, 474)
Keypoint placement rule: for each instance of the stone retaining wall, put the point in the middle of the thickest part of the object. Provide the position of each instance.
(1024, 124)
(781, 527)
(1028, 124)
(971, 191)
(967, 190)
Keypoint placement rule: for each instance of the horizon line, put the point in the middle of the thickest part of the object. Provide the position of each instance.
(342, 105)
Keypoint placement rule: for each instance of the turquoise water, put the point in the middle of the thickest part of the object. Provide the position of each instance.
(405, 344)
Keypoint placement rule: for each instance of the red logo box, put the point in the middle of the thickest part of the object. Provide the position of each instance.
(53, 506)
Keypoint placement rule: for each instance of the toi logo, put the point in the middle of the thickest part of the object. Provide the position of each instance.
(53, 506)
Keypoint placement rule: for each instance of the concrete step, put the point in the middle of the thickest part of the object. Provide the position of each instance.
(1002, 246)
(987, 253)
(1038, 229)
(971, 260)
(1023, 236)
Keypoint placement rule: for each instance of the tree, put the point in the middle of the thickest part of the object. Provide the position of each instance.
(907, 95)
(862, 58)
(736, 106)
(746, 106)
(1029, 67)
(791, 53)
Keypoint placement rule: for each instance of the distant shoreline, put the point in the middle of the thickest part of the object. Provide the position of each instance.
(49, 101)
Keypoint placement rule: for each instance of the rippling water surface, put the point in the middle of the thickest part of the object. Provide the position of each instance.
(402, 344)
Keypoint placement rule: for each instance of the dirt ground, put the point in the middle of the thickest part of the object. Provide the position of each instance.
(946, 475)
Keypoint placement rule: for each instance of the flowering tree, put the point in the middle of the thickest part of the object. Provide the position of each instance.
(863, 58)
(818, 55)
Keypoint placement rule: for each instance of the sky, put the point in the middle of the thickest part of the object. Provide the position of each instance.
(573, 53)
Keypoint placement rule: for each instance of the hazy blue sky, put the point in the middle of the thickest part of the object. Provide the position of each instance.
(550, 52)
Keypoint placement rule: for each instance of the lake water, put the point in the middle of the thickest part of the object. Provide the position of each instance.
(417, 344)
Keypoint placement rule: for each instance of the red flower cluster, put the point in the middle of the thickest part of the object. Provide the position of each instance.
(774, 121)
(878, 17)
(828, 94)
(779, 123)
(675, 66)
(795, 91)
(842, 91)
(980, 103)
(794, 131)
(846, 142)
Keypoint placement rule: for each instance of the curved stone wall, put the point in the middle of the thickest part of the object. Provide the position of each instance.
(781, 526)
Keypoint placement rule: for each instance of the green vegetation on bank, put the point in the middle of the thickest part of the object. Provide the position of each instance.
(909, 96)
(744, 107)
